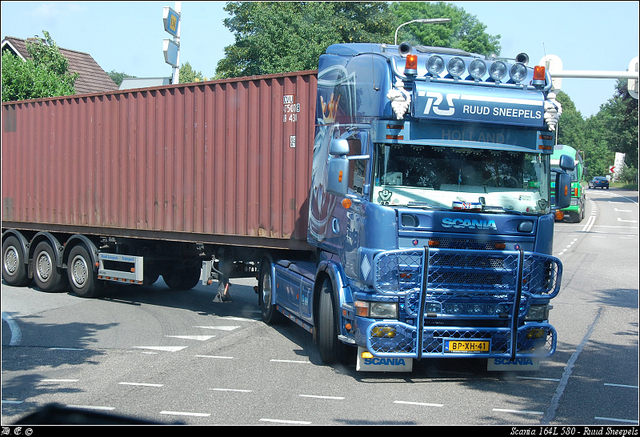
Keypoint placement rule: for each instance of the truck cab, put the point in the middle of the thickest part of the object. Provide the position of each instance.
(430, 205)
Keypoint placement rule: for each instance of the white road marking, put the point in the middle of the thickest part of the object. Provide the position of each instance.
(92, 407)
(504, 410)
(221, 328)
(291, 422)
(140, 384)
(232, 390)
(59, 380)
(616, 420)
(290, 361)
(335, 398)
(419, 403)
(16, 333)
(185, 413)
(192, 337)
(214, 356)
(621, 385)
(162, 348)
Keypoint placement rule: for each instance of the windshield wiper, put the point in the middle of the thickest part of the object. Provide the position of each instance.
(500, 209)
(425, 205)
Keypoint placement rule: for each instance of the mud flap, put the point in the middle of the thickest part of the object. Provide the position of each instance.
(506, 365)
(382, 364)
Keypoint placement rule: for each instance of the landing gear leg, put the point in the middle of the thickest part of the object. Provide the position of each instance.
(226, 266)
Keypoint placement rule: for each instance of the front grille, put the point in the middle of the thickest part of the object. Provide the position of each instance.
(466, 271)
(469, 296)
(467, 244)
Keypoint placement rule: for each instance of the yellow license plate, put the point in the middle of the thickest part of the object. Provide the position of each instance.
(467, 346)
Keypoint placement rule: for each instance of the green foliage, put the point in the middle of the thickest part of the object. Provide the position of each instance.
(571, 126)
(276, 37)
(464, 31)
(613, 129)
(44, 74)
(118, 77)
(188, 74)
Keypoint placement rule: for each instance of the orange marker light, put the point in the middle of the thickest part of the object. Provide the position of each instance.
(411, 64)
(346, 203)
(538, 72)
(340, 177)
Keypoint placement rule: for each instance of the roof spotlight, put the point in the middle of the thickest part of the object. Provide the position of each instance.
(435, 65)
(455, 66)
(518, 72)
(477, 69)
(498, 71)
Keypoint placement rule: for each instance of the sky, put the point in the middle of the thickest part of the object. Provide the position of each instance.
(127, 36)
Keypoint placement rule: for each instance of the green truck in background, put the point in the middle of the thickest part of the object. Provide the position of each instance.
(576, 211)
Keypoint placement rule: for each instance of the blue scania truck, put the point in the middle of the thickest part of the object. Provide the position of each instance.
(429, 211)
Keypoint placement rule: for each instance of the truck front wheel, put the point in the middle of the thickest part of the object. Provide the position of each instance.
(82, 275)
(46, 273)
(332, 350)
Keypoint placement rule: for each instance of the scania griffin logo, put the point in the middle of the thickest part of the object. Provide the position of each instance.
(459, 223)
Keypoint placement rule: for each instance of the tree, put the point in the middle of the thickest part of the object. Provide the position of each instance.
(45, 73)
(118, 77)
(622, 116)
(188, 74)
(464, 31)
(571, 125)
(276, 37)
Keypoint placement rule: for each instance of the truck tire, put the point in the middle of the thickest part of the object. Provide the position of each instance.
(45, 271)
(182, 279)
(14, 269)
(270, 314)
(82, 276)
(332, 350)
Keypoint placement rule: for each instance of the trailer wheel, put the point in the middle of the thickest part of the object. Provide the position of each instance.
(14, 270)
(46, 273)
(82, 276)
(332, 350)
(270, 314)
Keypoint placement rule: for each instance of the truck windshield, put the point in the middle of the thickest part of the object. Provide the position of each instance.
(573, 173)
(461, 178)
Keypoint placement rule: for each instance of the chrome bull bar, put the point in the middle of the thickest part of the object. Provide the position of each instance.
(474, 299)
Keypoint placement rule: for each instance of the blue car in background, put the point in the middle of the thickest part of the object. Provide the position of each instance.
(599, 181)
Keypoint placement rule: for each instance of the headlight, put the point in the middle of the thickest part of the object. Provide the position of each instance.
(537, 312)
(377, 310)
(477, 69)
(498, 71)
(455, 67)
(518, 72)
(454, 308)
(435, 65)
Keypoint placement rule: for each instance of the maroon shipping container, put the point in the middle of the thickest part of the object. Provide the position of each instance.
(225, 161)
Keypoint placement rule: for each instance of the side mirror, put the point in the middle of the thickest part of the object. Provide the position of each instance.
(339, 147)
(567, 163)
(338, 168)
(338, 175)
(563, 189)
